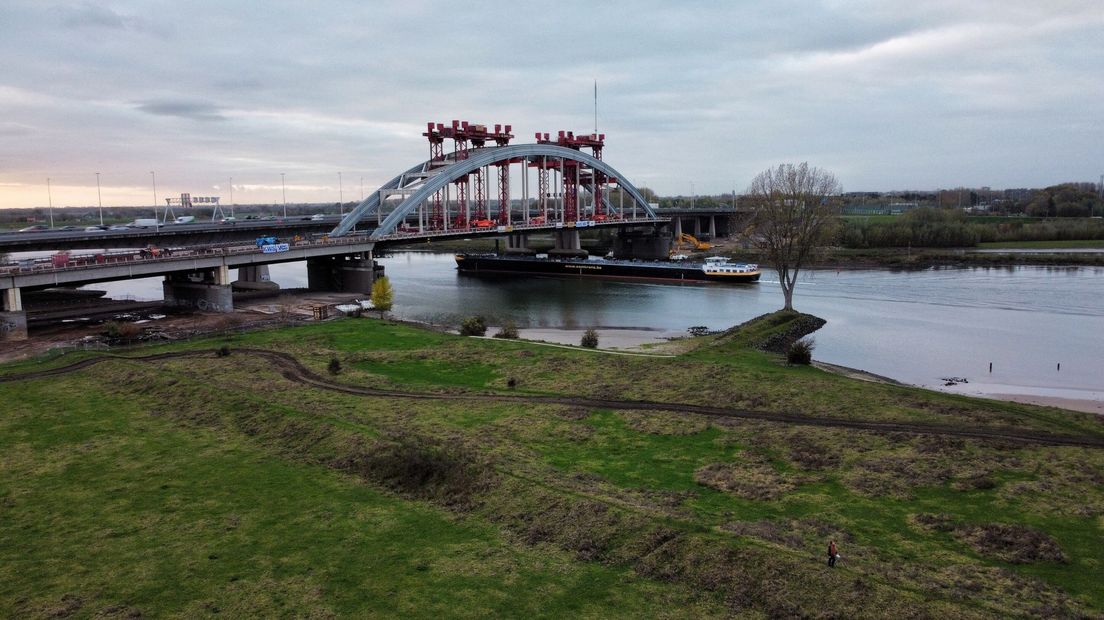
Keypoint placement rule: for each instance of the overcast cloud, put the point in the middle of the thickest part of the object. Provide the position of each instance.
(887, 94)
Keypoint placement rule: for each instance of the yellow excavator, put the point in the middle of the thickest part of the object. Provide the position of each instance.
(694, 243)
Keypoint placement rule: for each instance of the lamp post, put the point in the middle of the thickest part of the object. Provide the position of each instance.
(156, 225)
(283, 192)
(50, 198)
(362, 189)
(99, 198)
(340, 197)
(231, 196)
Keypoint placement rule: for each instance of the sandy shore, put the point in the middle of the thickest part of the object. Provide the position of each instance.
(619, 338)
(1091, 401)
(1074, 404)
(639, 339)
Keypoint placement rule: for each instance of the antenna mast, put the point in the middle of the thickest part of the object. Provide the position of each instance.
(595, 106)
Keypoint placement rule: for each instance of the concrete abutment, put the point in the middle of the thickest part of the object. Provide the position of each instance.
(254, 278)
(13, 319)
(351, 273)
(207, 290)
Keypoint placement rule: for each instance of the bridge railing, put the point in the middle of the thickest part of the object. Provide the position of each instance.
(514, 228)
(51, 264)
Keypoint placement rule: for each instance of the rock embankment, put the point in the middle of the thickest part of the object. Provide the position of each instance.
(800, 326)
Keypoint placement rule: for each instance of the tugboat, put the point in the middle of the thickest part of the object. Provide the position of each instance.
(714, 269)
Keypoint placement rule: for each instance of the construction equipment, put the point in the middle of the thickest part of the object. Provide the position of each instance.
(693, 241)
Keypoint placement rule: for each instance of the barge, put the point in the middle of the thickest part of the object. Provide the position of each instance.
(713, 269)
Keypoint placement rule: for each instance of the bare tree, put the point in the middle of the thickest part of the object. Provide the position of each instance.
(794, 213)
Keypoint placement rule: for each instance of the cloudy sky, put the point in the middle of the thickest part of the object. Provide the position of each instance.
(887, 94)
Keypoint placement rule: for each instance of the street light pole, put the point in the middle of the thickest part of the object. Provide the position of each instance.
(99, 198)
(50, 198)
(283, 192)
(231, 196)
(340, 197)
(156, 226)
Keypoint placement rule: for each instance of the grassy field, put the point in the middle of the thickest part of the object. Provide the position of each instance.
(196, 486)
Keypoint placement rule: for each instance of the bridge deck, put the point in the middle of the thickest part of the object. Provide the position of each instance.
(86, 269)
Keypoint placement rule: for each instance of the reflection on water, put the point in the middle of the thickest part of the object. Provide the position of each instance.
(912, 326)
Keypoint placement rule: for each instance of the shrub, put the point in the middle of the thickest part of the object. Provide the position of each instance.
(590, 339)
(222, 351)
(508, 330)
(334, 366)
(473, 326)
(111, 329)
(801, 351)
(121, 332)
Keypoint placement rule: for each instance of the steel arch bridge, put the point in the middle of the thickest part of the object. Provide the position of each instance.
(566, 177)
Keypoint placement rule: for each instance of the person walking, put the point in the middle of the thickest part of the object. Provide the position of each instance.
(832, 554)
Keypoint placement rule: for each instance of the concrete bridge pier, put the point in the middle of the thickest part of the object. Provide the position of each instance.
(351, 273)
(712, 227)
(206, 290)
(254, 278)
(642, 244)
(518, 243)
(13, 319)
(567, 243)
(677, 222)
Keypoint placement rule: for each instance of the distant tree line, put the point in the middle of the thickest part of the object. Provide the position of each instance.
(931, 227)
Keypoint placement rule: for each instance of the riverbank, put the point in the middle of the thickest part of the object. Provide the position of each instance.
(533, 480)
(631, 339)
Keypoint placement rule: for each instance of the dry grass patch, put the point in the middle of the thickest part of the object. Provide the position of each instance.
(1011, 542)
(747, 479)
(1008, 542)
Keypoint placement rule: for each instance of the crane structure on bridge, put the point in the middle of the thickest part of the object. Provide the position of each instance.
(573, 175)
(473, 212)
(568, 168)
(466, 137)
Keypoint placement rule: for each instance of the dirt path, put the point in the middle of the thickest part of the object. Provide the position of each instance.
(291, 369)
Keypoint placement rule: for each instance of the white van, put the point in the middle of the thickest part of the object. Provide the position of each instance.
(184, 219)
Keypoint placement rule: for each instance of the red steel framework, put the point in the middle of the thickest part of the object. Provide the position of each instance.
(466, 136)
(572, 174)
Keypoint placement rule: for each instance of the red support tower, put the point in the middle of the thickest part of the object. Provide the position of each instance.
(461, 221)
(594, 142)
(480, 213)
(504, 194)
(436, 142)
(466, 136)
(437, 213)
(502, 138)
(571, 191)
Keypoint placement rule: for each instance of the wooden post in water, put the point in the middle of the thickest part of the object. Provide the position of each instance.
(990, 367)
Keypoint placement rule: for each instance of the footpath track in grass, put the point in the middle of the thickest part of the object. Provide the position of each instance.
(293, 370)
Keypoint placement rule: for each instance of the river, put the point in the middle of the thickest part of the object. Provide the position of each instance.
(914, 326)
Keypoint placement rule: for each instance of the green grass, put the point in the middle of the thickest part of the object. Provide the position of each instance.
(108, 505)
(183, 486)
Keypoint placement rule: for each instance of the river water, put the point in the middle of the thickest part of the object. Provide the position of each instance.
(914, 326)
